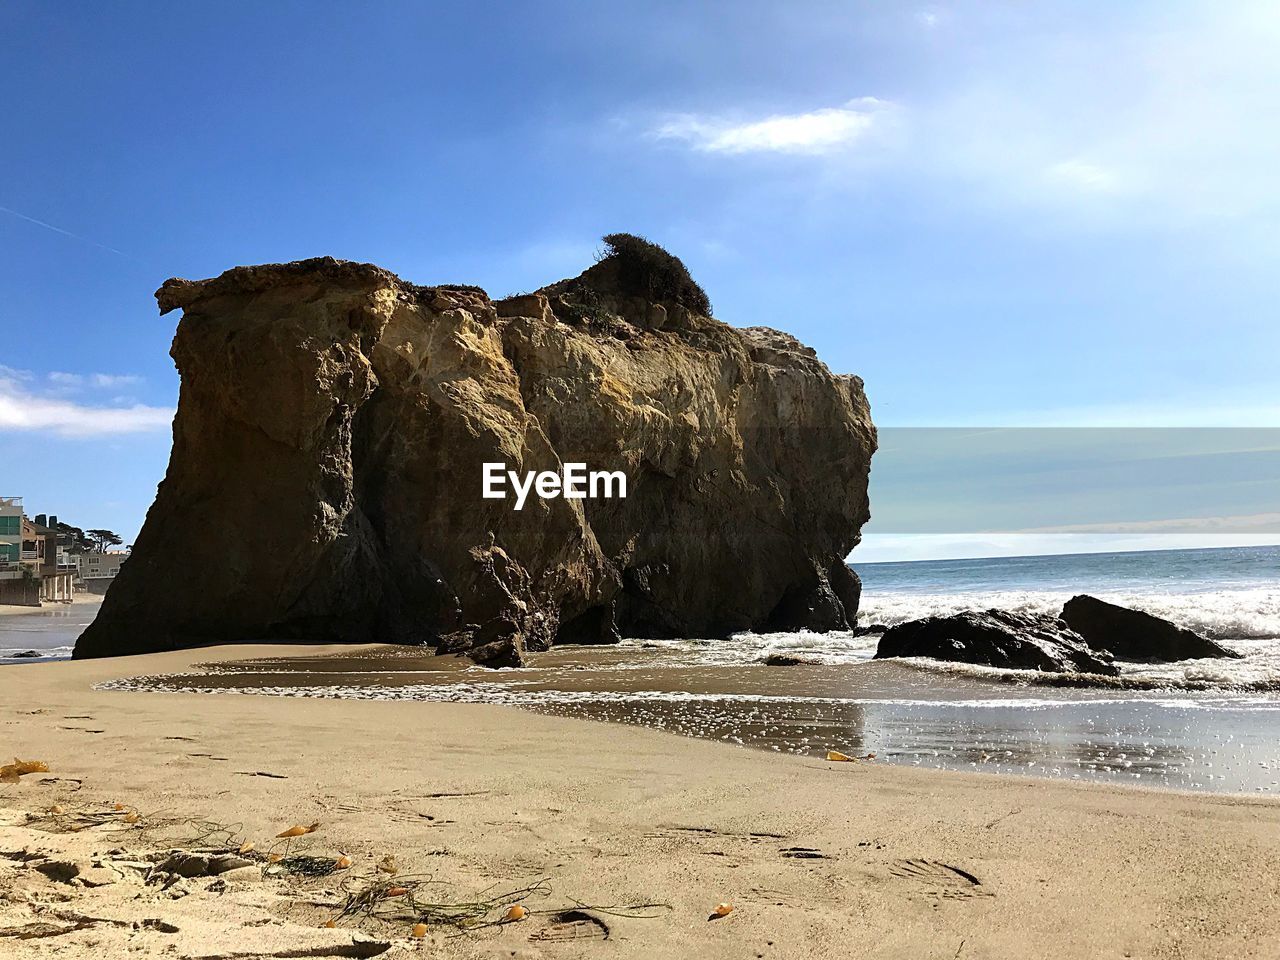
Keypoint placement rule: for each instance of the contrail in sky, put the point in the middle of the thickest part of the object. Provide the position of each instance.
(68, 233)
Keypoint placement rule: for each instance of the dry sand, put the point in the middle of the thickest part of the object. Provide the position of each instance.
(818, 859)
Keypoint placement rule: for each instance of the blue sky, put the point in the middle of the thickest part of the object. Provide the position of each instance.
(997, 214)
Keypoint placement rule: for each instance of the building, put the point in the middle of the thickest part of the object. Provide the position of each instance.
(34, 567)
(98, 570)
(54, 568)
(19, 578)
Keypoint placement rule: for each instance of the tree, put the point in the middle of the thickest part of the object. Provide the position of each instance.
(103, 539)
(74, 538)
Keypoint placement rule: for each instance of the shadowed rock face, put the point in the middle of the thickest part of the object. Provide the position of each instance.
(1135, 635)
(996, 638)
(325, 479)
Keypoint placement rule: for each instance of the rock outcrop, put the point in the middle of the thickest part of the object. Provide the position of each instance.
(996, 638)
(325, 482)
(1135, 635)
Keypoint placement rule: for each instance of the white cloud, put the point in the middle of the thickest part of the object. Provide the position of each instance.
(928, 18)
(108, 381)
(1125, 121)
(817, 131)
(104, 381)
(1156, 121)
(10, 373)
(1084, 176)
(22, 409)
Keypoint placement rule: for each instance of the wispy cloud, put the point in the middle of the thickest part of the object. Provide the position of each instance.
(817, 131)
(1155, 123)
(928, 18)
(100, 381)
(1104, 126)
(25, 408)
(1084, 176)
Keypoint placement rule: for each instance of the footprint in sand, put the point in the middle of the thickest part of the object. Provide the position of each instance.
(944, 880)
(572, 925)
(803, 853)
(795, 899)
(713, 832)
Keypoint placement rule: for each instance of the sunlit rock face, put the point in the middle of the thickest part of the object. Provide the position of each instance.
(334, 421)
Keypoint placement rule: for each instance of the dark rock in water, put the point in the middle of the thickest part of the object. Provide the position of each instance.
(493, 644)
(499, 653)
(827, 601)
(26, 654)
(869, 628)
(459, 641)
(996, 638)
(1134, 635)
(786, 660)
(334, 421)
(592, 626)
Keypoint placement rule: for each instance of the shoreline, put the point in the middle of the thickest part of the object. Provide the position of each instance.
(819, 859)
(49, 630)
(81, 601)
(937, 718)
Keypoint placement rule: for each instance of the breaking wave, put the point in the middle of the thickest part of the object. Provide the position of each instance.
(1235, 614)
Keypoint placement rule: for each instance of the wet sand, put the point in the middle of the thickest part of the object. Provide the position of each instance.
(1195, 740)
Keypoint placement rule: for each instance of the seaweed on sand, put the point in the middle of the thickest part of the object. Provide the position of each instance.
(424, 899)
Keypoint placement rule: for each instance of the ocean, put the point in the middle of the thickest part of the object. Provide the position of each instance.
(1210, 725)
(48, 632)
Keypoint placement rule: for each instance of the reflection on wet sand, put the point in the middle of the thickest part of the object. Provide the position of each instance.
(1197, 741)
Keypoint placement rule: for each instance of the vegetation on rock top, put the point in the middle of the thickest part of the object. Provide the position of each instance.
(646, 270)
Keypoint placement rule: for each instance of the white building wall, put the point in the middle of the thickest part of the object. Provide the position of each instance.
(96, 565)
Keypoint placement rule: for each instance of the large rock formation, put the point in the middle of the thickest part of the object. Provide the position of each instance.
(1135, 635)
(325, 481)
(996, 638)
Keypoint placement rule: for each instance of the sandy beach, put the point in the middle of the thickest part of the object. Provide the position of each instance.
(818, 859)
